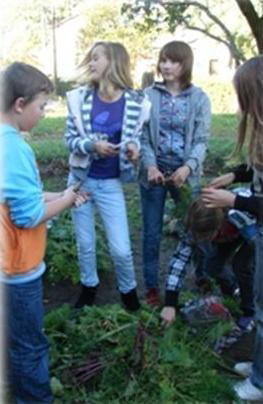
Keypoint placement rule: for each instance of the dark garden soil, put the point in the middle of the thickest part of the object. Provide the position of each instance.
(65, 291)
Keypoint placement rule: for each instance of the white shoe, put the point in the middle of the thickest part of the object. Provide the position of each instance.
(247, 391)
(243, 368)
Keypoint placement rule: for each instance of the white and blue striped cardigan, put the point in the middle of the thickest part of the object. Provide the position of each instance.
(79, 136)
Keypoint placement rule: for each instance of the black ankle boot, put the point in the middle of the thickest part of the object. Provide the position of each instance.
(87, 296)
(130, 300)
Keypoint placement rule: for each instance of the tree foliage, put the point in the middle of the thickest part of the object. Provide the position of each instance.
(209, 17)
(26, 26)
(105, 21)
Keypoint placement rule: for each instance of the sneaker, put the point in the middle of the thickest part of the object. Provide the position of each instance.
(247, 391)
(243, 368)
(153, 297)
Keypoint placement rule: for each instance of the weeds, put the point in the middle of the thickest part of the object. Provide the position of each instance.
(61, 254)
(109, 355)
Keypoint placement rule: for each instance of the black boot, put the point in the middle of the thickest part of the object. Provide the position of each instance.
(130, 300)
(87, 296)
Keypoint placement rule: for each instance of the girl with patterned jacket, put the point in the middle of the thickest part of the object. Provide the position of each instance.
(104, 125)
(173, 148)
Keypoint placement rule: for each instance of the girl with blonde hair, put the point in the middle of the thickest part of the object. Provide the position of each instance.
(105, 119)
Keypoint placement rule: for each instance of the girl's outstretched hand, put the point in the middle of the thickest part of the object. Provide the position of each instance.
(222, 181)
(217, 198)
(168, 316)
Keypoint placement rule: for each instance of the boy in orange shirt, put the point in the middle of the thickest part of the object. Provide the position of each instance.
(24, 210)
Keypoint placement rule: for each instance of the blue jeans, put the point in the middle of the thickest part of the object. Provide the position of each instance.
(153, 202)
(27, 346)
(257, 373)
(107, 196)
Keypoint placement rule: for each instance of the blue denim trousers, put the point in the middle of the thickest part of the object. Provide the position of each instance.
(153, 202)
(27, 346)
(257, 372)
(107, 197)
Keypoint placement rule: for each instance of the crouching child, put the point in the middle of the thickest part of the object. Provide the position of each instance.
(223, 240)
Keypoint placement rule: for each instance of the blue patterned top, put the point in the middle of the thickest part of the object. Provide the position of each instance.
(173, 119)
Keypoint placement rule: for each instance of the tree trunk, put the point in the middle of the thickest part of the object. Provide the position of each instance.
(254, 21)
(54, 44)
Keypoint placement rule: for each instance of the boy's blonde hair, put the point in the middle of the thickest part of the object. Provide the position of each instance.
(248, 83)
(22, 80)
(118, 71)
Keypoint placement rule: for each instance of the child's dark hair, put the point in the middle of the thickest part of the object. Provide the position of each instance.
(203, 222)
(181, 52)
(22, 80)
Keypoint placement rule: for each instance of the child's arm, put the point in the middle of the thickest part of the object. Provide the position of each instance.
(51, 196)
(220, 198)
(65, 200)
(222, 181)
(175, 279)
(200, 135)
(241, 173)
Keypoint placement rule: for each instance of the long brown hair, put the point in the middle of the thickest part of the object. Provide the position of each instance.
(179, 51)
(248, 83)
(118, 72)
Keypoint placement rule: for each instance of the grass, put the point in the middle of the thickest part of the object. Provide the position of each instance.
(107, 355)
(49, 126)
(48, 143)
(49, 150)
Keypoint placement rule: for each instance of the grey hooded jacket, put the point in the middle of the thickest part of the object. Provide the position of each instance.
(196, 136)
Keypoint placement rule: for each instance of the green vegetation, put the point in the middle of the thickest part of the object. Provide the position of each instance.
(107, 355)
(49, 127)
(48, 143)
(221, 94)
(61, 255)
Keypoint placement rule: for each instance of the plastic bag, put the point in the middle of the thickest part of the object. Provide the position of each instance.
(207, 310)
